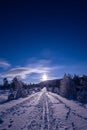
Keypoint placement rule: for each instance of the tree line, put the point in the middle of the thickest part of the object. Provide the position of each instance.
(71, 87)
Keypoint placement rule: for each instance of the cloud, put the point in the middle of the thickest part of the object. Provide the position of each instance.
(23, 72)
(4, 64)
(31, 70)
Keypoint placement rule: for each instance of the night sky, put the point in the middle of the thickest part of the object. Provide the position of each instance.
(42, 37)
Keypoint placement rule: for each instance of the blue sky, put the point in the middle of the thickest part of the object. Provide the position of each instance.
(40, 37)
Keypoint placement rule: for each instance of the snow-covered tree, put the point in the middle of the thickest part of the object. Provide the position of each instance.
(67, 87)
(18, 84)
(19, 90)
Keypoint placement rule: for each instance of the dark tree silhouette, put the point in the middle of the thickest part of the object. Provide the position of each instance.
(5, 83)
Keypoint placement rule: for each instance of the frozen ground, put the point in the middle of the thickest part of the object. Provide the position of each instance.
(43, 111)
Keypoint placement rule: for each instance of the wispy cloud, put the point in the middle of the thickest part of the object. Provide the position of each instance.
(36, 67)
(4, 64)
(24, 71)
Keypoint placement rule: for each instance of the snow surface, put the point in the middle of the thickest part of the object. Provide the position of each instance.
(43, 111)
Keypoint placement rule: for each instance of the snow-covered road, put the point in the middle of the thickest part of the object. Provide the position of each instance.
(43, 111)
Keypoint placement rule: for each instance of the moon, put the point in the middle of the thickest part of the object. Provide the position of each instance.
(44, 77)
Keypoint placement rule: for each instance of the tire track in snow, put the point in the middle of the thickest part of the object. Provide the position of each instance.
(68, 108)
(71, 113)
(52, 122)
(40, 113)
(45, 125)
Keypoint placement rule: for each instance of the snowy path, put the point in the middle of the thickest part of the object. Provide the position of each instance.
(43, 111)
